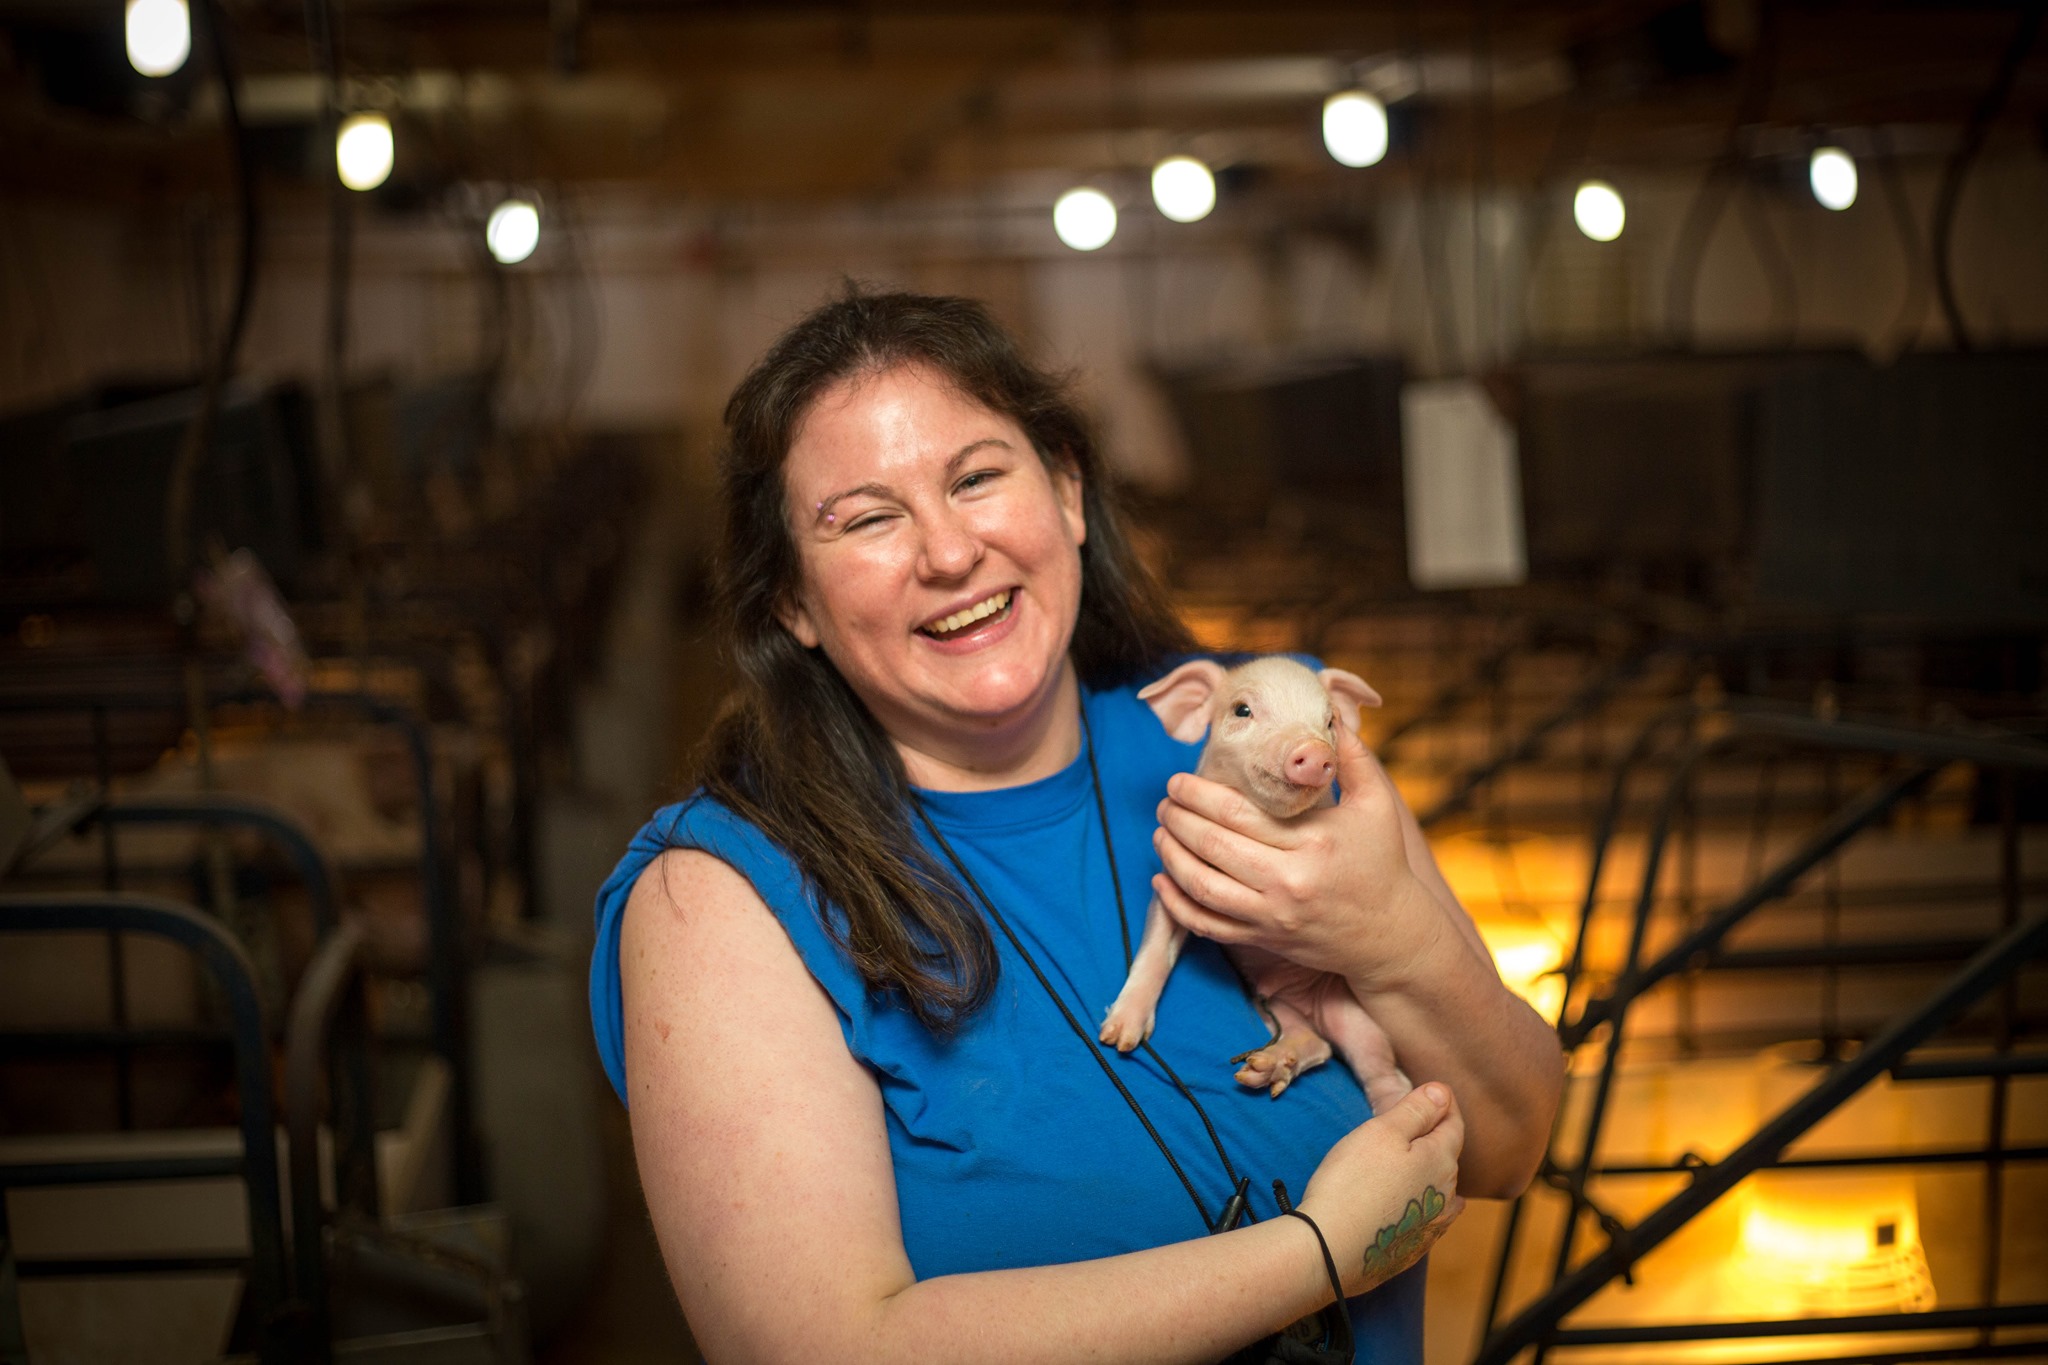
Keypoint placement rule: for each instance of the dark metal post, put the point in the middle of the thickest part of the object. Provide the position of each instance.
(1994, 964)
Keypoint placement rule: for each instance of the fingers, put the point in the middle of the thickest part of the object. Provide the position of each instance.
(1238, 856)
(1421, 1111)
(1196, 918)
(1206, 884)
(1358, 772)
(1230, 808)
(1452, 1130)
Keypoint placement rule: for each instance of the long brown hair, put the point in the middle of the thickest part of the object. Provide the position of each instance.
(794, 750)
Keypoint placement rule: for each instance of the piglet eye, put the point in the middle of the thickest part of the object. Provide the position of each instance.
(1242, 709)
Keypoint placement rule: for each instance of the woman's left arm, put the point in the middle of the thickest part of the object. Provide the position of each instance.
(1354, 889)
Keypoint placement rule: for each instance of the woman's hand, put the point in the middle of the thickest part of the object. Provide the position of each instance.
(1389, 1188)
(1332, 889)
(1353, 889)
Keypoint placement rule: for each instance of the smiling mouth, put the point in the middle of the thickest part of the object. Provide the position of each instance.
(966, 619)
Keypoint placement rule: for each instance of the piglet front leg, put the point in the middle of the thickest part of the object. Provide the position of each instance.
(1130, 1017)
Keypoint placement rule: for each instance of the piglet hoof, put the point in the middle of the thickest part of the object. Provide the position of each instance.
(1125, 1028)
(1270, 1066)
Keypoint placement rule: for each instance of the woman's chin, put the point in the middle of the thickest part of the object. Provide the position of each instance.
(999, 690)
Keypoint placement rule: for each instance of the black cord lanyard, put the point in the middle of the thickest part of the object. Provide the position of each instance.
(1334, 1320)
(1237, 1207)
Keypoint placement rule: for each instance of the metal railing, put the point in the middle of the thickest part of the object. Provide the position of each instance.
(266, 1299)
(1539, 1325)
(446, 976)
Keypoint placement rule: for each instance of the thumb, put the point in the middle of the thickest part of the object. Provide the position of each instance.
(1357, 773)
(1419, 1111)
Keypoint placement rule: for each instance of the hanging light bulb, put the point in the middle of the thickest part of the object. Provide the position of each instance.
(1598, 211)
(1084, 218)
(159, 35)
(363, 151)
(513, 231)
(1355, 128)
(1183, 189)
(1832, 173)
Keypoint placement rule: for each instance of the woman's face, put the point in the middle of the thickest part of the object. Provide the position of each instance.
(941, 567)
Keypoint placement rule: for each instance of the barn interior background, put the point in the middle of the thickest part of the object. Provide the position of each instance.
(1648, 397)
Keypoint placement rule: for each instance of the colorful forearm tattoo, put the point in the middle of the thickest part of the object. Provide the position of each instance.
(1397, 1243)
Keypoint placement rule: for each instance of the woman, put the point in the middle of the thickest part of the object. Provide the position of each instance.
(872, 1127)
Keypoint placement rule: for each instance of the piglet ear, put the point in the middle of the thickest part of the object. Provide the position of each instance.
(1348, 692)
(1181, 698)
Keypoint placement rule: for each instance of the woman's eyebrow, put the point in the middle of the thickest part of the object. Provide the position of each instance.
(961, 457)
(823, 510)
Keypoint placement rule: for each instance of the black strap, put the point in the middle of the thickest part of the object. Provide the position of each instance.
(1238, 1206)
(1281, 1348)
(1123, 921)
(1329, 1261)
(1065, 1013)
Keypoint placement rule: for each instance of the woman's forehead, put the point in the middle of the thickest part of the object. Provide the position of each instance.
(870, 424)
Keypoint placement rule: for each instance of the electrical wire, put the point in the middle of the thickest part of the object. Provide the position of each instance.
(1913, 305)
(1956, 173)
(1778, 271)
(1430, 232)
(198, 437)
(1708, 202)
(1568, 143)
(1485, 284)
(324, 50)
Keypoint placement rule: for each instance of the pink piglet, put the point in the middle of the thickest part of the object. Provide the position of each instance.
(1271, 735)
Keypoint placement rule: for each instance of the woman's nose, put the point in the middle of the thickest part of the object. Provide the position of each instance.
(951, 548)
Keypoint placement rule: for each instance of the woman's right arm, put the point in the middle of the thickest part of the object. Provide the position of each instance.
(765, 1163)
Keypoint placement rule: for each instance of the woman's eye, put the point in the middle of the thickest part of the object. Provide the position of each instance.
(863, 522)
(1243, 709)
(976, 479)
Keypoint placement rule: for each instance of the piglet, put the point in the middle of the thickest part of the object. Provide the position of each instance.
(1272, 735)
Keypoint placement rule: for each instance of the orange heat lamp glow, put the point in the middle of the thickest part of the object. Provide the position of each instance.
(1831, 1244)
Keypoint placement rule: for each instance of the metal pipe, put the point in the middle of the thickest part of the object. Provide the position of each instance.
(1842, 827)
(31, 1175)
(1926, 953)
(1646, 898)
(1935, 1320)
(1997, 1350)
(333, 967)
(1586, 700)
(223, 959)
(216, 810)
(1602, 836)
(445, 970)
(1957, 1157)
(1972, 1068)
(1539, 1320)
(97, 1266)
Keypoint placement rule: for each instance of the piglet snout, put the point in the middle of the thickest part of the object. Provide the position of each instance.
(1310, 763)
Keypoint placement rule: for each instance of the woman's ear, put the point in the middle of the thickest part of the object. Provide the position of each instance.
(795, 618)
(1068, 487)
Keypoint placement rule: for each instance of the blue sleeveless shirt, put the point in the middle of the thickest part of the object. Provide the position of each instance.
(1010, 1146)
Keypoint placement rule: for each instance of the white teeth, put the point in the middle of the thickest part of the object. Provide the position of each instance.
(968, 617)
